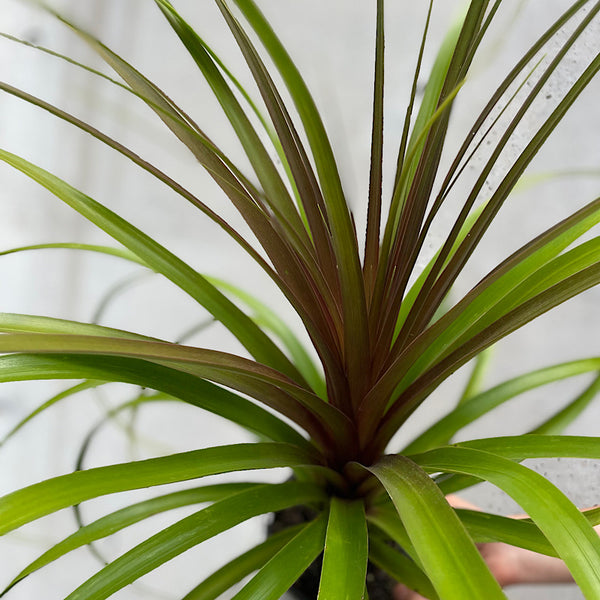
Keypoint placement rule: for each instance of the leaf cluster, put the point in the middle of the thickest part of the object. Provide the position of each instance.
(384, 332)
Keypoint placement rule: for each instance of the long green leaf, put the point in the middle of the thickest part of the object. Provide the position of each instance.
(403, 368)
(163, 261)
(449, 556)
(263, 316)
(191, 531)
(184, 386)
(109, 250)
(474, 384)
(385, 518)
(499, 283)
(263, 383)
(521, 532)
(566, 265)
(287, 274)
(520, 447)
(564, 417)
(565, 527)
(277, 576)
(228, 182)
(234, 571)
(346, 550)
(482, 403)
(134, 513)
(515, 319)
(40, 499)
(485, 527)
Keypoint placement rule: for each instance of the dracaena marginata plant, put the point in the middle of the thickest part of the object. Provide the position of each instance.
(386, 334)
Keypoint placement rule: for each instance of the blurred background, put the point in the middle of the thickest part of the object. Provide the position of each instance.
(332, 43)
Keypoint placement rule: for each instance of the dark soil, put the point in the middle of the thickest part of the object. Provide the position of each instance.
(379, 583)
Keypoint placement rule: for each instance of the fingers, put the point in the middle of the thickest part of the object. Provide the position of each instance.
(458, 502)
(401, 592)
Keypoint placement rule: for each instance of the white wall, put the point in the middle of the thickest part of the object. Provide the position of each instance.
(332, 43)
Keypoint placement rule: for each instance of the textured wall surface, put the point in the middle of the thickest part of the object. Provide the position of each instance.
(332, 43)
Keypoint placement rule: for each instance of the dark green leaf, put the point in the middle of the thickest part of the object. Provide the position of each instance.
(400, 567)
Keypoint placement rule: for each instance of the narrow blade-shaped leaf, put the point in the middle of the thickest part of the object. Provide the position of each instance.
(134, 513)
(449, 556)
(564, 417)
(234, 571)
(191, 531)
(482, 403)
(400, 567)
(161, 260)
(346, 550)
(261, 382)
(277, 576)
(565, 527)
(186, 387)
(39, 499)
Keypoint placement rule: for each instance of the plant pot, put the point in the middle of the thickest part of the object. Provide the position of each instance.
(379, 583)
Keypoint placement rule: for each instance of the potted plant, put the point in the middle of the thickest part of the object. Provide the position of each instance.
(386, 335)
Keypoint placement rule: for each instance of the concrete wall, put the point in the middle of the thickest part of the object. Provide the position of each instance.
(332, 43)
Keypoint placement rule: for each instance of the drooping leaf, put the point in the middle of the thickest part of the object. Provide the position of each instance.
(234, 571)
(134, 513)
(40, 499)
(531, 445)
(448, 555)
(190, 389)
(478, 405)
(277, 576)
(261, 382)
(191, 531)
(565, 527)
(161, 260)
(400, 567)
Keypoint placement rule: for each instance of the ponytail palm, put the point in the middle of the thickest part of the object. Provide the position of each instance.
(385, 332)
